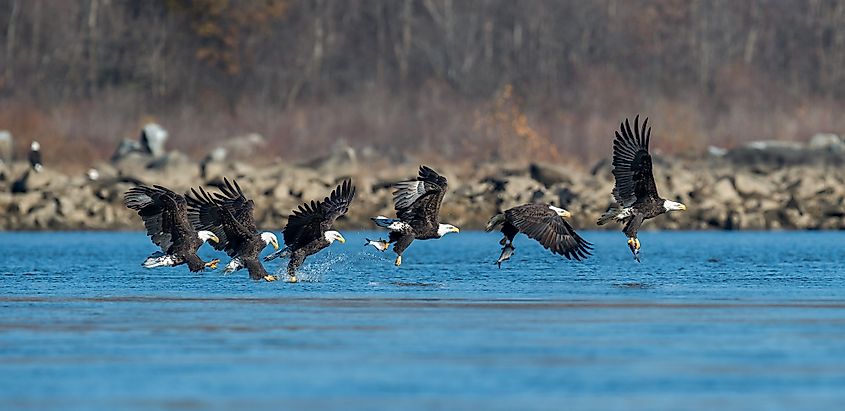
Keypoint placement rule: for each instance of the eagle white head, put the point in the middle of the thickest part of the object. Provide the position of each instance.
(206, 235)
(444, 229)
(332, 235)
(561, 212)
(270, 239)
(673, 206)
(35, 146)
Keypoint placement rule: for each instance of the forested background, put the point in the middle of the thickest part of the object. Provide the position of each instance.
(420, 79)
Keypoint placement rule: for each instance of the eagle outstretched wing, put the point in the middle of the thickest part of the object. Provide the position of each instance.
(311, 220)
(163, 211)
(235, 201)
(418, 201)
(549, 229)
(205, 212)
(632, 164)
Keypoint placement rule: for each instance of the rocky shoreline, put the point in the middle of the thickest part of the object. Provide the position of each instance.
(757, 187)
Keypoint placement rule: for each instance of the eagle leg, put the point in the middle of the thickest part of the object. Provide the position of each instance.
(292, 279)
(270, 278)
(398, 261)
(634, 245)
(212, 264)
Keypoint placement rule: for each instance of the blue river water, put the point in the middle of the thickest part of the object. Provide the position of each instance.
(708, 320)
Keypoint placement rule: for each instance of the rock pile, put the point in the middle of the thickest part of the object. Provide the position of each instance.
(721, 192)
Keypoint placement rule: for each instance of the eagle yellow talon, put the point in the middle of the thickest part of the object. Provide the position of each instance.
(398, 261)
(212, 264)
(270, 278)
(293, 279)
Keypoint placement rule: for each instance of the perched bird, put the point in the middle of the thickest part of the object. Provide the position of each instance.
(35, 156)
(635, 191)
(544, 223)
(417, 204)
(165, 216)
(309, 229)
(228, 215)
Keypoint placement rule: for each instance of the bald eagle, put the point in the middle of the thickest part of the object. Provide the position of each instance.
(228, 215)
(35, 157)
(165, 217)
(417, 204)
(635, 191)
(544, 223)
(309, 229)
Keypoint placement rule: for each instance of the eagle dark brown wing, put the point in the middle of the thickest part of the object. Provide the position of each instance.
(417, 202)
(541, 223)
(207, 213)
(311, 220)
(232, 197)
(632, 166)
(164, 214)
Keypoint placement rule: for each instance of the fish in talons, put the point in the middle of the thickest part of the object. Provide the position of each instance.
(507, 252)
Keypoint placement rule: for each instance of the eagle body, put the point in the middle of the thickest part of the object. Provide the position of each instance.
(543, 223)
(229, 215)
(417, 203)
(165, 217)
(635, 191)
(309, 228)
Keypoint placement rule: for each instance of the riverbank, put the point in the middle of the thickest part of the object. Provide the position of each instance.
(756, 187)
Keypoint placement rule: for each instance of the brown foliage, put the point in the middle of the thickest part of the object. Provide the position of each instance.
(475, 79)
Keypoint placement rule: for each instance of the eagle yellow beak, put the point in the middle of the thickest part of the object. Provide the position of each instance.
(456, 230)
(341, 239)
(214, 238)
(683, 207)
(566, 214)
(275, 245)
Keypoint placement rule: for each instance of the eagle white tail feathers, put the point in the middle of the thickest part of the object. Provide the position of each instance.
(614, 213)
(494, 222)
(383, 221)
(393, 224)
(233, 266)
(159, 259)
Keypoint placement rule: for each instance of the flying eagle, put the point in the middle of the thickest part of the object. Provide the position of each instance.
(165, 216)
(635, 192)
(309, 229)
(228, 215)
(544, 223)
(417, 204)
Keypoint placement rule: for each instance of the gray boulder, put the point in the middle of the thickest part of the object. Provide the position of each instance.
(153, 138)
(549, 175)
(7, 147)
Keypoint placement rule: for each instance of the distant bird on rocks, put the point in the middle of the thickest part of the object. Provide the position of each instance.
(635, 191)
(92, 174)
(309, 229)
(417, 203)
(544, 223)
(229, 215)
(35, 157)
(165, 216)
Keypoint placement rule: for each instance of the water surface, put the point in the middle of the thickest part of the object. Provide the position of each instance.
(707, 321)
